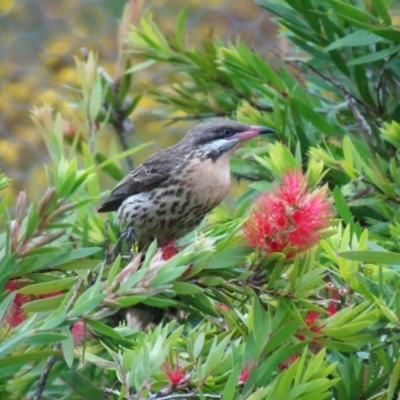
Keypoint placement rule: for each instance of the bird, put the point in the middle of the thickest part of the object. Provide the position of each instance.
(169, 195)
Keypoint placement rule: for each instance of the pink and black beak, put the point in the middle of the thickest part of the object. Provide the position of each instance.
(252, 132)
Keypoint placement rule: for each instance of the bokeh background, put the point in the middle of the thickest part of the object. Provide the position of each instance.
(39, 40)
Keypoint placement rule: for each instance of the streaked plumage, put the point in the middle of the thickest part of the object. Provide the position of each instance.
(171, 192)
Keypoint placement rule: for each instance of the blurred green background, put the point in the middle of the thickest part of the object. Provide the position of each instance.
(39, 40)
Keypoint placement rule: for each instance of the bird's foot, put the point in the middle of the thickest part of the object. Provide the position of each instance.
(123, 246)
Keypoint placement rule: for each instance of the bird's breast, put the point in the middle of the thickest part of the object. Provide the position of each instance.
(210, 180)
(178, 205)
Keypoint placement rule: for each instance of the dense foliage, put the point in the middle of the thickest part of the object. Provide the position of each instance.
(314, 315)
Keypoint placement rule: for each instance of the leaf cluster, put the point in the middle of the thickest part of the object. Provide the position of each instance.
(323, 324)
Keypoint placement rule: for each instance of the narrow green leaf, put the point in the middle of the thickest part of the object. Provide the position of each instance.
(104, 329)
(9, 345)
(48, 287)
(32, 221)
(164, 277)
(44, 338)
(186, 288)
(5, 304)
(180, 26)
(95, 100)
(47, 304)
(78, 265)
(23, 359)
(87, 306)
(372, 257)
(375, 56)
(75, 254)
(394, 379)
(230, 390)
(67, 346)
(342, 206)
(358, 38)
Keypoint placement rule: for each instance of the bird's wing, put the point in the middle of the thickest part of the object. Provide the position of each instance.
(142, 179)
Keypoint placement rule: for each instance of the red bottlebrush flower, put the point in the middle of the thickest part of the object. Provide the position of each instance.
(78, 332)
(244, 375)
(169, 250)
(12, 285)
(16, 314)
(311, 321)
(331, 310)
(286, 364)
(311, 317)
(291, 216)
(174, 374)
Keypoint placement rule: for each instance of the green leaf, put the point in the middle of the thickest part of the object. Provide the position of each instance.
(359, 38)
(344, 8)
(47, 304)
(228, 258)
(163, 277)
(342, 206)
(230, 391)
(95, 100)
(82, 308)
(104, 329)
(394, 379)
(186, 288)
(32, 221)
(126, 301)
(372, 257)
(67, 346)
(281, 335)
(316, 119)
(5, 304)
(23, 359)
(9, 345)
(75, 254)
(180, 26)
(48, 287)
(375, 56)
(200, 302)
(44, 338)
(346, 330)
(78, 265)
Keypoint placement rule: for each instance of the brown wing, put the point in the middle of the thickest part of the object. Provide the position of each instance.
(147, 176)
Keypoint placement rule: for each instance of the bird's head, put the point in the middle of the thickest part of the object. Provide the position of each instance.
(218, 136)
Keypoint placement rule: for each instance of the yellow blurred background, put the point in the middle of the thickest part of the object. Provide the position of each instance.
(39, 40)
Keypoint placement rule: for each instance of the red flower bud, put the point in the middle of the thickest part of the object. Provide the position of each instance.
(169, 250)
(244, 375)
(174, 374)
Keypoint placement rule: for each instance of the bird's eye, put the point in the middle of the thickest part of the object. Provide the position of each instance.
(227, 132)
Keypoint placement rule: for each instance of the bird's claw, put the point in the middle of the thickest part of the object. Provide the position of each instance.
(128, 236)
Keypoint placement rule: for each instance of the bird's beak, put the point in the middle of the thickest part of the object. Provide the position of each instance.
(253, 132)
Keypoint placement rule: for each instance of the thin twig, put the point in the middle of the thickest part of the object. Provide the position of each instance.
(122, 125)
(51, 360)
(380, 83)
(365, 128)
(341, 87)
(45, 374)
(361, 194)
